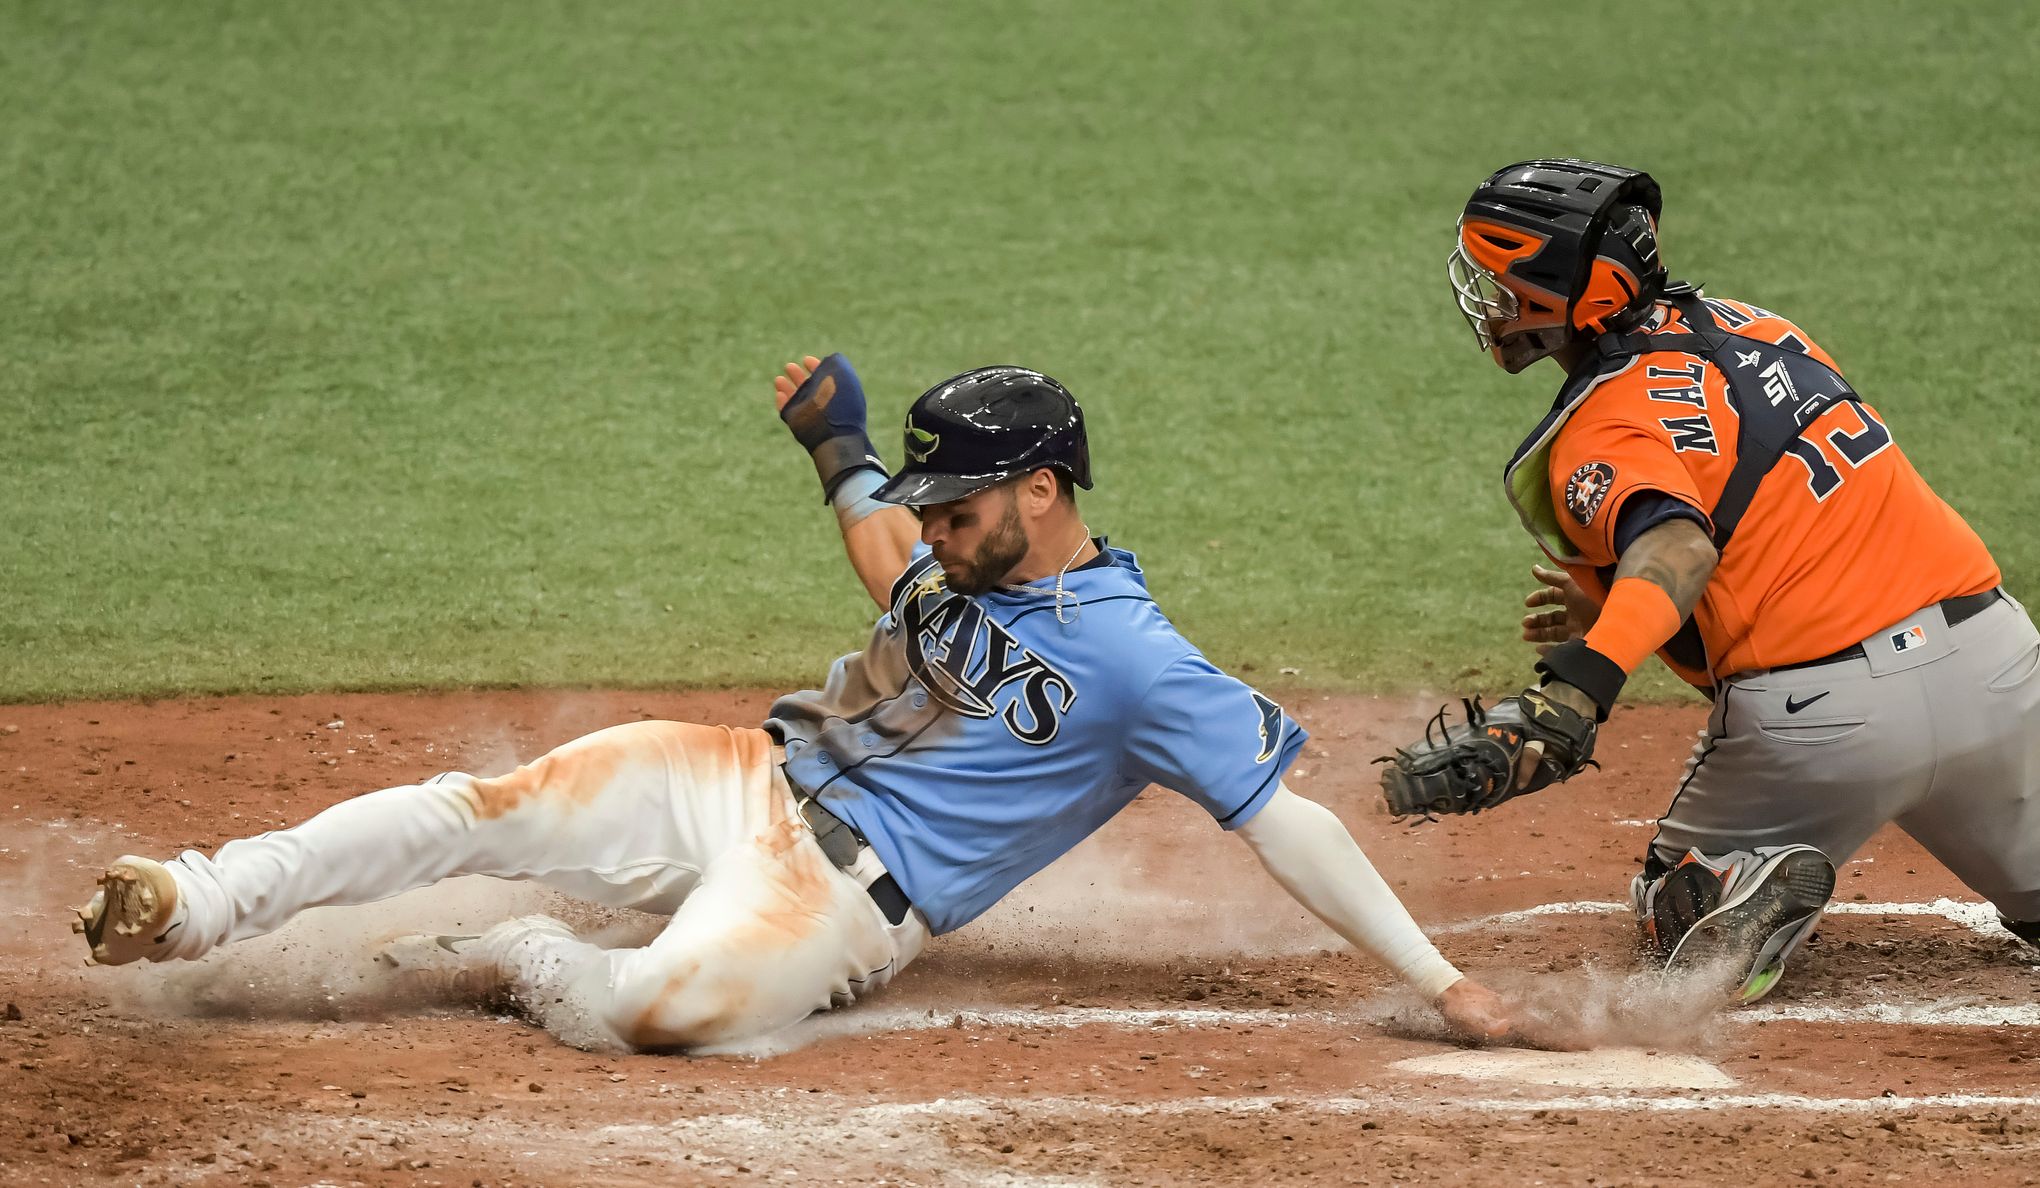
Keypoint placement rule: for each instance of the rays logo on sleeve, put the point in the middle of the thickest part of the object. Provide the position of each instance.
(1271, 727)
(971, 664)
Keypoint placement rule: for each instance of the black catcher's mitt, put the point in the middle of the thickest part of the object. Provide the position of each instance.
(1469, 766)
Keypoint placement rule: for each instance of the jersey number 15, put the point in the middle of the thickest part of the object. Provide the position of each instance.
(1822, 475)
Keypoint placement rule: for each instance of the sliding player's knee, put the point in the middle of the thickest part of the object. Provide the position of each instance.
(678, 1004)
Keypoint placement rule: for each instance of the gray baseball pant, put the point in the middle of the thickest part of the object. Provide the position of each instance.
(1936, 728)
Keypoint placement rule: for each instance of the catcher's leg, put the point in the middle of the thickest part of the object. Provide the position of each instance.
(626, 816)
(1735, 916)
(1982, 817)
(1795, 771)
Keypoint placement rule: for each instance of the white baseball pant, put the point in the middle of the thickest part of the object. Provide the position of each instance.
(667, 817)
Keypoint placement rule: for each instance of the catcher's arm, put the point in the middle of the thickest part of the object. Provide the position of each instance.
(1658, 581)
(827, 417)
(1316, 860)
(1543, 736)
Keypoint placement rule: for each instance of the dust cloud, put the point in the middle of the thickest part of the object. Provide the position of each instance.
(322, 964)
(1121, 897)
(1589, 1007)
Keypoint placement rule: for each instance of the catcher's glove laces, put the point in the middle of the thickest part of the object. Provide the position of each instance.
(1470, 767)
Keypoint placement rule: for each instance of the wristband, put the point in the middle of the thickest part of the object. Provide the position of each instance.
(1636, 620)
(838, 458)
(1586, 670)
(853, 500)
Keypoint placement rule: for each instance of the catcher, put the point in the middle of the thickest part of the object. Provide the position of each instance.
(1713, 491)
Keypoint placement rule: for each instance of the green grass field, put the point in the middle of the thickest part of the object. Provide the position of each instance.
(386, 345)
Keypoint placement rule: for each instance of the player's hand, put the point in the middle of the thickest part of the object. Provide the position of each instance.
(822, 403)
(784, 386)
(1477, 1013)
(1571, 615)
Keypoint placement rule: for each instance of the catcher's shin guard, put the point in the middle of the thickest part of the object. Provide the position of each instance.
(1745, 911)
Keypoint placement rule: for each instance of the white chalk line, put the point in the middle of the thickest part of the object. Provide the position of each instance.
(1944, 1013)
(1938, 1013)
(778, 1129)
(1586, 1103)
(776, 1136)
(1006, 1109)
(1980, 918)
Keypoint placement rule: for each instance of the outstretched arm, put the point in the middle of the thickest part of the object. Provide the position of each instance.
(828, 419)
(1316, 860)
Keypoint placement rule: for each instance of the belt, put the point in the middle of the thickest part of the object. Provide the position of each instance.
(1955, 610)
(841, 843)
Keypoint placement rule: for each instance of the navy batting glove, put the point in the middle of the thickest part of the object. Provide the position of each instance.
(826, 415)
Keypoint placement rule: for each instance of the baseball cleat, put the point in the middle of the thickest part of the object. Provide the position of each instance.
(135, 909)
(468, 967)
(451, 966)
(1758, 908)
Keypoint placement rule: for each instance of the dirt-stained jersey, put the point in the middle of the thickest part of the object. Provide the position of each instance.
(1826, 531)
(978, 738)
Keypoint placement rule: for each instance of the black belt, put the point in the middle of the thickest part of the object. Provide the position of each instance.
(1955, 610)
(840, 843)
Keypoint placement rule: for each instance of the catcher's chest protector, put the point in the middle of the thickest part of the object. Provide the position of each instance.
(1775, 389)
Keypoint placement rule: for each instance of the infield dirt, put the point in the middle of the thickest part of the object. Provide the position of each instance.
(1150, 1010)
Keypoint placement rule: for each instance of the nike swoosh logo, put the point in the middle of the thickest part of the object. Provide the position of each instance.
(1793, 707)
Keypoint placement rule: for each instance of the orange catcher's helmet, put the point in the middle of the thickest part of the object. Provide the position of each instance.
(1553, 249)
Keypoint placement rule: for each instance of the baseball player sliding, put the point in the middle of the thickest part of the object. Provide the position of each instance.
(1020, 688)
(1713, 491)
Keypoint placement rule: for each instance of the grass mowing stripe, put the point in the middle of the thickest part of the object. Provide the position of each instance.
(395, 345)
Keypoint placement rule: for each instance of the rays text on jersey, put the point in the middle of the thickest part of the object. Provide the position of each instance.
(971, 663)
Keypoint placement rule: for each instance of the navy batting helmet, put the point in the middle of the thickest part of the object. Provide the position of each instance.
(983, 427)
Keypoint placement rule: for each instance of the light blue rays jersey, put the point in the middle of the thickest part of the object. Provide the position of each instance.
(977, 739)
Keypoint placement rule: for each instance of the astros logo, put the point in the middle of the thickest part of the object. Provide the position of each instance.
(1585, 490)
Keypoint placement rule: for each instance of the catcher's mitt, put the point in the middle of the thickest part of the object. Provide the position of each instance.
(1470, 766)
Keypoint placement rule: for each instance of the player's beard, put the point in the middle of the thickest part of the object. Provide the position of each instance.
(1003, 548)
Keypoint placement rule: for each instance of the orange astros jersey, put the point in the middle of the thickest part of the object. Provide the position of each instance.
(1826, 531)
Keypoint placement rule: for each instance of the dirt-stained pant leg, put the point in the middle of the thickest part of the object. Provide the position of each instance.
(660, 816)
(597, 817)
(773, 934)
(1937, 728)
(1981, 819)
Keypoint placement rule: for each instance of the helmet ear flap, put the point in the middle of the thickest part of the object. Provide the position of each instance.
(1620, 271)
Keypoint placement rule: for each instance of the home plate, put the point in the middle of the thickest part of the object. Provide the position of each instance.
(1604, 1068)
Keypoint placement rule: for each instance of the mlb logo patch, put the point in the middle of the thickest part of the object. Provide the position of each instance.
(1910, 638)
